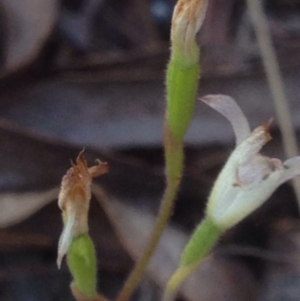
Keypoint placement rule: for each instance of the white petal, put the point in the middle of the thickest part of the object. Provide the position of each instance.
(227, 106)
(250, 147)
(291, 169)
(66, 237)
(226, 186)
(256, 170)
(247, 201)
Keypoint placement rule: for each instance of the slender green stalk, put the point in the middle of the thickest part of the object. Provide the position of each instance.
(181, 84)
(176, 280)
(163, 216)
(198, 247)
(201, 242)
(174, 157)
(174, 166)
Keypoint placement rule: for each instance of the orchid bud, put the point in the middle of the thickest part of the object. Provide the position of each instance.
(74, 201)
(183, 70)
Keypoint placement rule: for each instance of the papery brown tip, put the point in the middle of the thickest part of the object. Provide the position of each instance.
(80, 156)
(76, 183)
(94, 171)
(196, 8)
(180, 8)
(266, 126)
(81, 162)
(98, 170)
(190, 9)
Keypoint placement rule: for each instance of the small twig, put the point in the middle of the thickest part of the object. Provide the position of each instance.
(276, 84)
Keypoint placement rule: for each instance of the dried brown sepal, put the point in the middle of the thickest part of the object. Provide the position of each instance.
(189, 9)
(187, 19)
(76, 184)
(267, 126)
(99, 170)
(74, 200)
(79, 297)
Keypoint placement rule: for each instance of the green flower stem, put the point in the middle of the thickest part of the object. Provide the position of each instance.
(82, 263)
(174, 157)
(198, 247)
(201, 242)
(175, 281)
(182, 84)
(174, 154)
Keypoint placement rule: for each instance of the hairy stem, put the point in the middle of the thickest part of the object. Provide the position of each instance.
(174, 166)
(200, 244)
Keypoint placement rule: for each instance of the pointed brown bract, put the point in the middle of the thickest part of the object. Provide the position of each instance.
(98, 170)
(187, 19)
(74, 200)
(76, 184)
(189, 9)
(266, 127)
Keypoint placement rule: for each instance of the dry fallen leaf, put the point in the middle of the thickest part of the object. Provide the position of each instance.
(11, 213)
(215, 280)
(27, 25)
